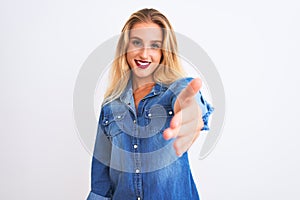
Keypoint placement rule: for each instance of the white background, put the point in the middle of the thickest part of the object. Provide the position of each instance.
(254, 45)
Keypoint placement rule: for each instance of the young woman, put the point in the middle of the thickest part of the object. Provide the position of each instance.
(150, 116)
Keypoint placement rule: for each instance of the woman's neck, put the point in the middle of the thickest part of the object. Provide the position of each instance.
(138, 83)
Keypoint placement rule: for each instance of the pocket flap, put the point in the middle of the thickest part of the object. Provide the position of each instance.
(107, 119)
(159, 111)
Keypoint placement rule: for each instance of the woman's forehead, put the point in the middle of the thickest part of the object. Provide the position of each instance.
(147, 32)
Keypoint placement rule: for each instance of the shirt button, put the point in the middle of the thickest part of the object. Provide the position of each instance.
(149, 115)
(137, 171)
(170, 112)
(118, 116)
(139, 198)
(134, 121)
(135, 146)
(106, 122)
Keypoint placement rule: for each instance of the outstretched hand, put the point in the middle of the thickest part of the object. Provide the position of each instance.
(187, 122)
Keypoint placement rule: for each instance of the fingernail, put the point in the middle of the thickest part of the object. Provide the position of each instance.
(178, 154)
(167, 135)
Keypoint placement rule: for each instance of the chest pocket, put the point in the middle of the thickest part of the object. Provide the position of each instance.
(113, 123)
(158, 117)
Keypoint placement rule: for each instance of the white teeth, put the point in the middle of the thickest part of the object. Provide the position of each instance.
(143, 63)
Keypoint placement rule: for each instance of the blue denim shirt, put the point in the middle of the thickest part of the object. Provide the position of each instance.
(132, 160)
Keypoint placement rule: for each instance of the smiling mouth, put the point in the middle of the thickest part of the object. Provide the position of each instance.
(142, 64)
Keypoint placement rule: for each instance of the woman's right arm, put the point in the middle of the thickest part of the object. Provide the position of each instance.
(100, 181)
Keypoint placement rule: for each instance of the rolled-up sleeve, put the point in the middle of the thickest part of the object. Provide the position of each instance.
(206, 109)
(100, 181)
(93, 196)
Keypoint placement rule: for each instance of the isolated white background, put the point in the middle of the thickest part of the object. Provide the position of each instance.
(254, 45)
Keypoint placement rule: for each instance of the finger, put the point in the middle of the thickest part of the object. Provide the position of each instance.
(189, 113)
(196, 136)
(189, 128)
(174, 132)
(176, 120)
(170, 133)
(191, 89)
(182, 144)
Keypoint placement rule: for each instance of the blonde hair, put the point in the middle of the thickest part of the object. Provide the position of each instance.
(170, 68)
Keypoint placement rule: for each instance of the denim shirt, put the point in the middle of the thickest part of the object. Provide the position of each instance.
(132, 160)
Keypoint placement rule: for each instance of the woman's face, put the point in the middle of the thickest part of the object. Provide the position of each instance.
(144, 50)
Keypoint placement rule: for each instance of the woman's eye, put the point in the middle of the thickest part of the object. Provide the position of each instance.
(155, 46)
(136, 43)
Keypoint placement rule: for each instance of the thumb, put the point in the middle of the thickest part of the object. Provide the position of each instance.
(196, 85)
(188, 92)
(191, 89)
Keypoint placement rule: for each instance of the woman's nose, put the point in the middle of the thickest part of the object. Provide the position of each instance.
(144, 52)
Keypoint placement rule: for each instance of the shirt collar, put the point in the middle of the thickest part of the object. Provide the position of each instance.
(127, 95)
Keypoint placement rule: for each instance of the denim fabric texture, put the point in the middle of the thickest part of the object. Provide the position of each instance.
(132, 160)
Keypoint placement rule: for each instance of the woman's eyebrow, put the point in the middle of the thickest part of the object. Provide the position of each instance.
(135, 37)
(156, 41)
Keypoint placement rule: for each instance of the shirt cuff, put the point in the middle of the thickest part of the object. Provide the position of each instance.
(93, 196)
(205, 117)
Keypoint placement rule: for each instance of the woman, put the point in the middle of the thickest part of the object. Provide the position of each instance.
(150, 116)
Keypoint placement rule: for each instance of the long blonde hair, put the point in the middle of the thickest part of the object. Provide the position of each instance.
(170, 68)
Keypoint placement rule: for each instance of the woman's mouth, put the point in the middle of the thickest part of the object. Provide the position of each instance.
(142, 64)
